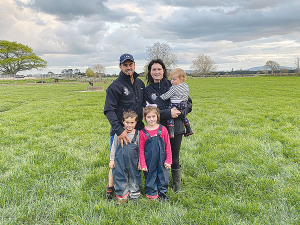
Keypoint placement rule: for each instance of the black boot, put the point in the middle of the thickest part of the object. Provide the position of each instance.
(109, 192)
(176, 176)
(188, 130)
(171, 131)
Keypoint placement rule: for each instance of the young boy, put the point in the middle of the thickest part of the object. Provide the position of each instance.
(124, 161)
(178, 95)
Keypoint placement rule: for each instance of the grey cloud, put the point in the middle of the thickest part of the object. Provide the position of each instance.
(66, 10)
(78, 43)
(213, 25)
(193, 3)
(76, 37)
(246, 4)
(39, 22)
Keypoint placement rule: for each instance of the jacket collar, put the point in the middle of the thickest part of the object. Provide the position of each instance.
(160, 84)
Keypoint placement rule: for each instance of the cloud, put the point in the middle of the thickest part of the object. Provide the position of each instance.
(218, 24)
(66, 10)
(245, 4)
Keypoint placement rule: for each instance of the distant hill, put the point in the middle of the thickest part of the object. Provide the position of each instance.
(256, 68)
(262, 68)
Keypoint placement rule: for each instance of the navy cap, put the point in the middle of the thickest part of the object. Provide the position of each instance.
(125, 57)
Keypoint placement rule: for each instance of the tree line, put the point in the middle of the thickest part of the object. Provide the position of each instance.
(15, 57)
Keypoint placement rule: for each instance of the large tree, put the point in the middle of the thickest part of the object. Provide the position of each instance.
(99, 70)
(203, 64)
(162, 51)
(15, 57)
(272, 65)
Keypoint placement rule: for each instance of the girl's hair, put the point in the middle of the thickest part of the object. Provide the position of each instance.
(181, 74)
(154, 109)
(129, 113)
(149, 77)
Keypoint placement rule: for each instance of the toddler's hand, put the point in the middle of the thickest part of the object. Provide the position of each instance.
(167, 165)
(112, 164)
(139, 167)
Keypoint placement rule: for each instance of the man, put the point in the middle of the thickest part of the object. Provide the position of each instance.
(126, 92)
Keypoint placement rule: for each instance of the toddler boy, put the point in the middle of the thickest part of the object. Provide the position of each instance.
(178, 95)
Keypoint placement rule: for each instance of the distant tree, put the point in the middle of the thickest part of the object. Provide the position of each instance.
(15, 57)
(203, 64)
(76, 72)
(50, 74)
(284, 70)
(98, 70)
(162, 51)
(89, 72)
(297, 63)
(67, 72)
(145, 70)
(272, 65)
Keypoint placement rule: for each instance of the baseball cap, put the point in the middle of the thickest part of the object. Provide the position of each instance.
(125, 57)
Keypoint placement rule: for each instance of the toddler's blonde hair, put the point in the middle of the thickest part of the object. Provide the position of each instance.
(181, 74)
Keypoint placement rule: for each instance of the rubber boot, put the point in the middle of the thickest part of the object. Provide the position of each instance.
(109, 192)
(188, 130)
(176, 176)
(171, 131)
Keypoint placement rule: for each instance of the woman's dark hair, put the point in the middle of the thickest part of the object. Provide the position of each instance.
(149, 77)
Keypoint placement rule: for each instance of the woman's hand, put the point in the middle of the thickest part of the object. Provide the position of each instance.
(175, 112)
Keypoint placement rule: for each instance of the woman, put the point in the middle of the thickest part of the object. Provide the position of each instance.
(159, 84)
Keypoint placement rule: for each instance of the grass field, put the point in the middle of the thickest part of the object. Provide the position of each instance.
(240, 167)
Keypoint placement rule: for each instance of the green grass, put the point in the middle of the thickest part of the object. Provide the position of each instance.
(240, 167)
(21, 81)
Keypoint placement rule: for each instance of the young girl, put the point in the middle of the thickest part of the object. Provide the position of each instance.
(155, 155)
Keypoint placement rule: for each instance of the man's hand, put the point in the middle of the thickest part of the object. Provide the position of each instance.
(112, 164)
(123, 138)
(175, 112)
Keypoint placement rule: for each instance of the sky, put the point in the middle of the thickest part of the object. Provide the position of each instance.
(76, 34)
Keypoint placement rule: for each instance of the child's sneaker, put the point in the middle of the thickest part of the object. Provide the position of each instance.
(152, 198)
(122, 199)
